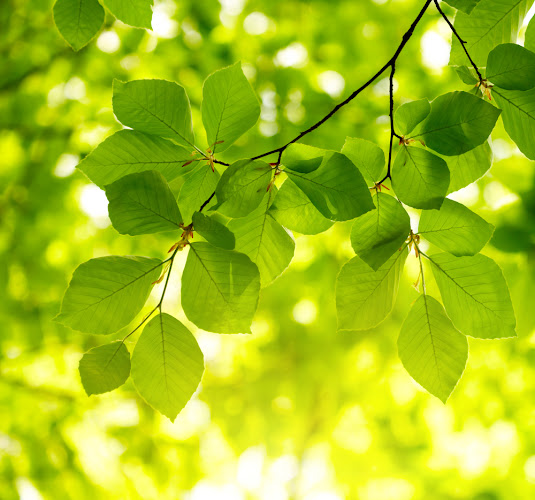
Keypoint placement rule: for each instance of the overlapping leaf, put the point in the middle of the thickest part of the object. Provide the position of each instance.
(197, 189)
(302, 157)
(410, 114)
(367, 157)
(78, 21)
(512, 67)
(468, 167)
(213, 231)
(133, 12)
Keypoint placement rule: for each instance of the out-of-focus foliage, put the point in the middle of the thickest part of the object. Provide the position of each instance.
(295, 410)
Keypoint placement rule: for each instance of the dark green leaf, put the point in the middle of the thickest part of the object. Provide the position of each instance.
(467, 75)
(512, 67)
(213, 231)
(410, 114)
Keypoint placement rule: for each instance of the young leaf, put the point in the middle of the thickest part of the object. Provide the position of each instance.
(376, 235)
(294, 210)
(420, 178)
(364, 297)
(455, 228)
(466, 75)
(410, 114)
(468, 167)
(336, 188)
(458, 122)
(431, 349)
(167, 365)
(197, 188)
(512, 67)
(367, 156)
(104, 368)
(136, 13)
(156, 107)
(242, 187)
(213, 231)
(106, 293)
(229, 108)
(128, 152)
(302, 158)
(78, 21)
(475, 295)
(219, 289)
(466, 6)
(142, 204)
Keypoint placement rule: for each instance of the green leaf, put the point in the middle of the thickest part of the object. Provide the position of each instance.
(295, 211)
(367, 156)
(529, 37)
(142, 204)
(127, 152)
(431, 349)
(167, 365)
(466, 75)
(455, 228)
(104, 368)
(518, 117)
(242, 187)
(136, 13)
(229, 108)
(512, 67)
(468, 167)
(302, 158)
(197, 188)
(264, 241)
(156, 107)
(364, 297)
(336, 188)
(78, 21)
(458, 122)
(489, 24)
(420, 178)
(219, 289)
(213, 231)
(475, 295)
(376, 235)
(410, 114)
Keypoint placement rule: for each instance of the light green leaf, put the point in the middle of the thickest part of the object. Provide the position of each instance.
(156, 107)
(475, 295)
(104, 368)
(213, 231)
(467, 75)
(295, 211)
(106, 293)
(455, 228)
(410, 114)
(458, 122)
(78, 21)
(529, 36)
(167, 365)
(229, 108)
(197, 188)
(302, 158)
(133, 12)
(431, 349)
(336, 188)
(219, 289)
(367, 156)
(376, 235)
(512, 67)
(466, 6)
(468, 167)
(242, 187)
(142, 204)
(420, 178)
(364, 297)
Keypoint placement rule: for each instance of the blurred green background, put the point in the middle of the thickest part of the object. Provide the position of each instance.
(296, 410)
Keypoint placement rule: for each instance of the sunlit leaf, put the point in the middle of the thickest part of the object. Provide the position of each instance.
(197, 189)
(410, 114)
(78, 21)
(512, 67)
(133, 12)
(468, 167)
(367, 157)
(213, 231)
(302, 158)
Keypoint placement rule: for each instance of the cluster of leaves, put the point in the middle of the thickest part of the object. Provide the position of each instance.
(245, 211)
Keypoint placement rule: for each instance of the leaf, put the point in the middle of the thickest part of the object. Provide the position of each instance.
(364, 297)
(219, 289)
(336, 188)
(512, 67)
(466, 75)
(367, 156)
(455, 228)
(242, 187)
(420, 178)
(431, 349)
(197, 188)
(468, 167)
(475, 295)
(302, 158)
(136, 13)
(458, 122)
(465, 5)
(128, 152)
(229, 107)
(155, 107)
(104, 368)
(142, 204)
(518, 117)
(529, 36)
(378, 234)
(106, 293)
(295, 211)
(489, 24)
(264, 241)
(167, 365)
(213, 231)
(78, 21)
(410, 114)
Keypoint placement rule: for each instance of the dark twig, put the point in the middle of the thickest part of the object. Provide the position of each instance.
(392, 130)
